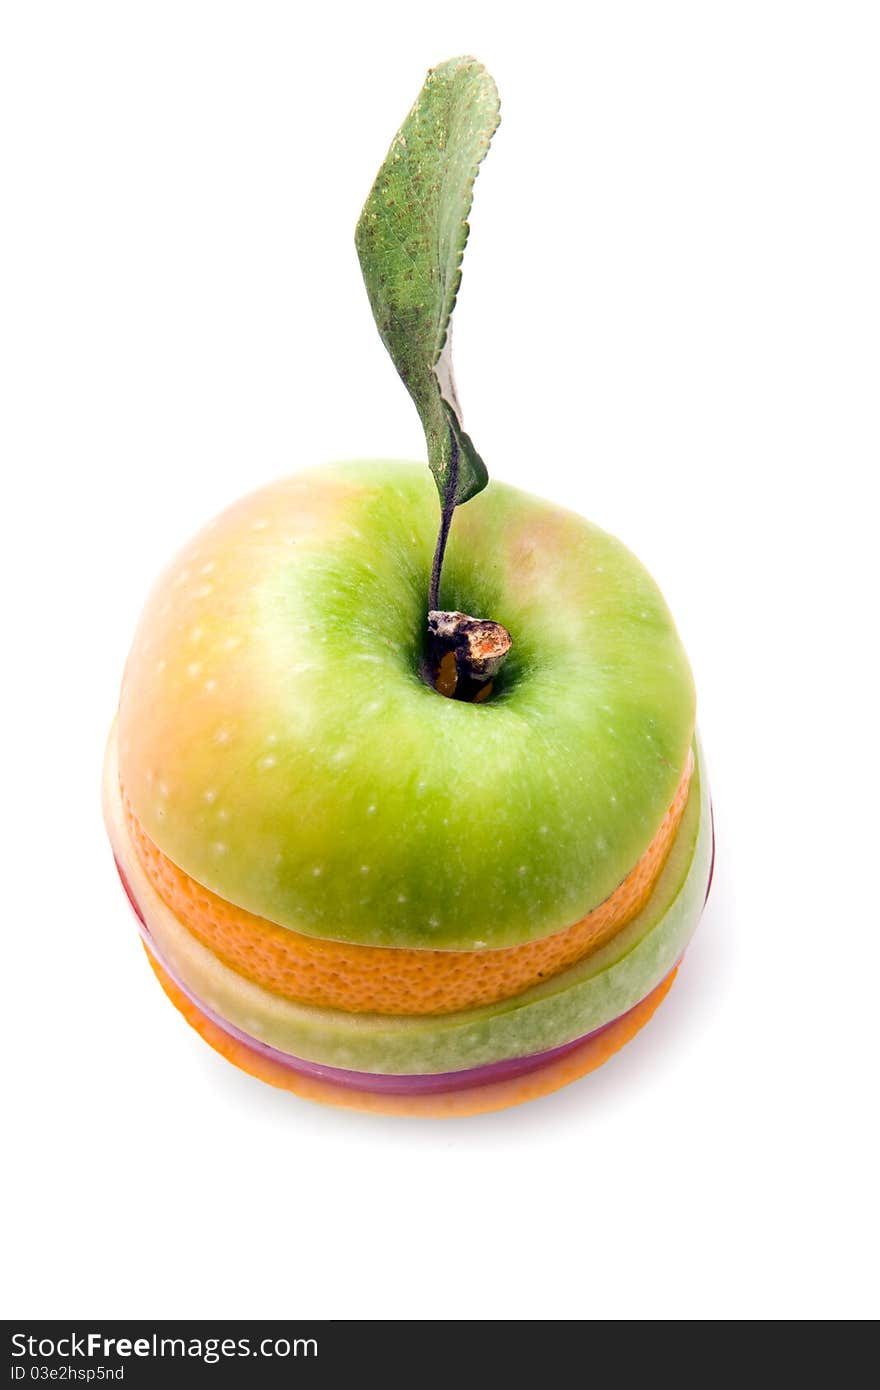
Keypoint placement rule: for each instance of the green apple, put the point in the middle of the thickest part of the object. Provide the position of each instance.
(289, 789)
(279, 743)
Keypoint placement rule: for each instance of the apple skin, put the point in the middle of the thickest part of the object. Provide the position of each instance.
(276, 740)
(604, 985)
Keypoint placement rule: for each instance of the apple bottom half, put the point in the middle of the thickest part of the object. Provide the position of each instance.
(503, 1053)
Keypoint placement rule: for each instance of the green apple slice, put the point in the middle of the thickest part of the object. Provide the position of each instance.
(569, 1005)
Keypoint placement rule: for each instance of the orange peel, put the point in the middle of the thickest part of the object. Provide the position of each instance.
(390, 980)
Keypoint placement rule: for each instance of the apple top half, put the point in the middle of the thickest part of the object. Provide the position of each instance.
(277, 741)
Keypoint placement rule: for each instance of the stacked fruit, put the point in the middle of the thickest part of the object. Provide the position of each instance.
(359, 888)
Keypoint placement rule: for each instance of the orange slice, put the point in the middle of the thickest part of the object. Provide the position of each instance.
(387, 980)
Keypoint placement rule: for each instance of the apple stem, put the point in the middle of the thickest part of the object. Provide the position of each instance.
(446, 510)
(465, 654)
(410, 241)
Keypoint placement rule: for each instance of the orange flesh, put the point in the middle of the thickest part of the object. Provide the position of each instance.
(477, 1100)
(381, 979)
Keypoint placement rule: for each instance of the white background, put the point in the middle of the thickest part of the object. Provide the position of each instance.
(669, 320)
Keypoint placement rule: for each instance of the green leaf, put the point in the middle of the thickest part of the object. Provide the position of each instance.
(410, 240)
